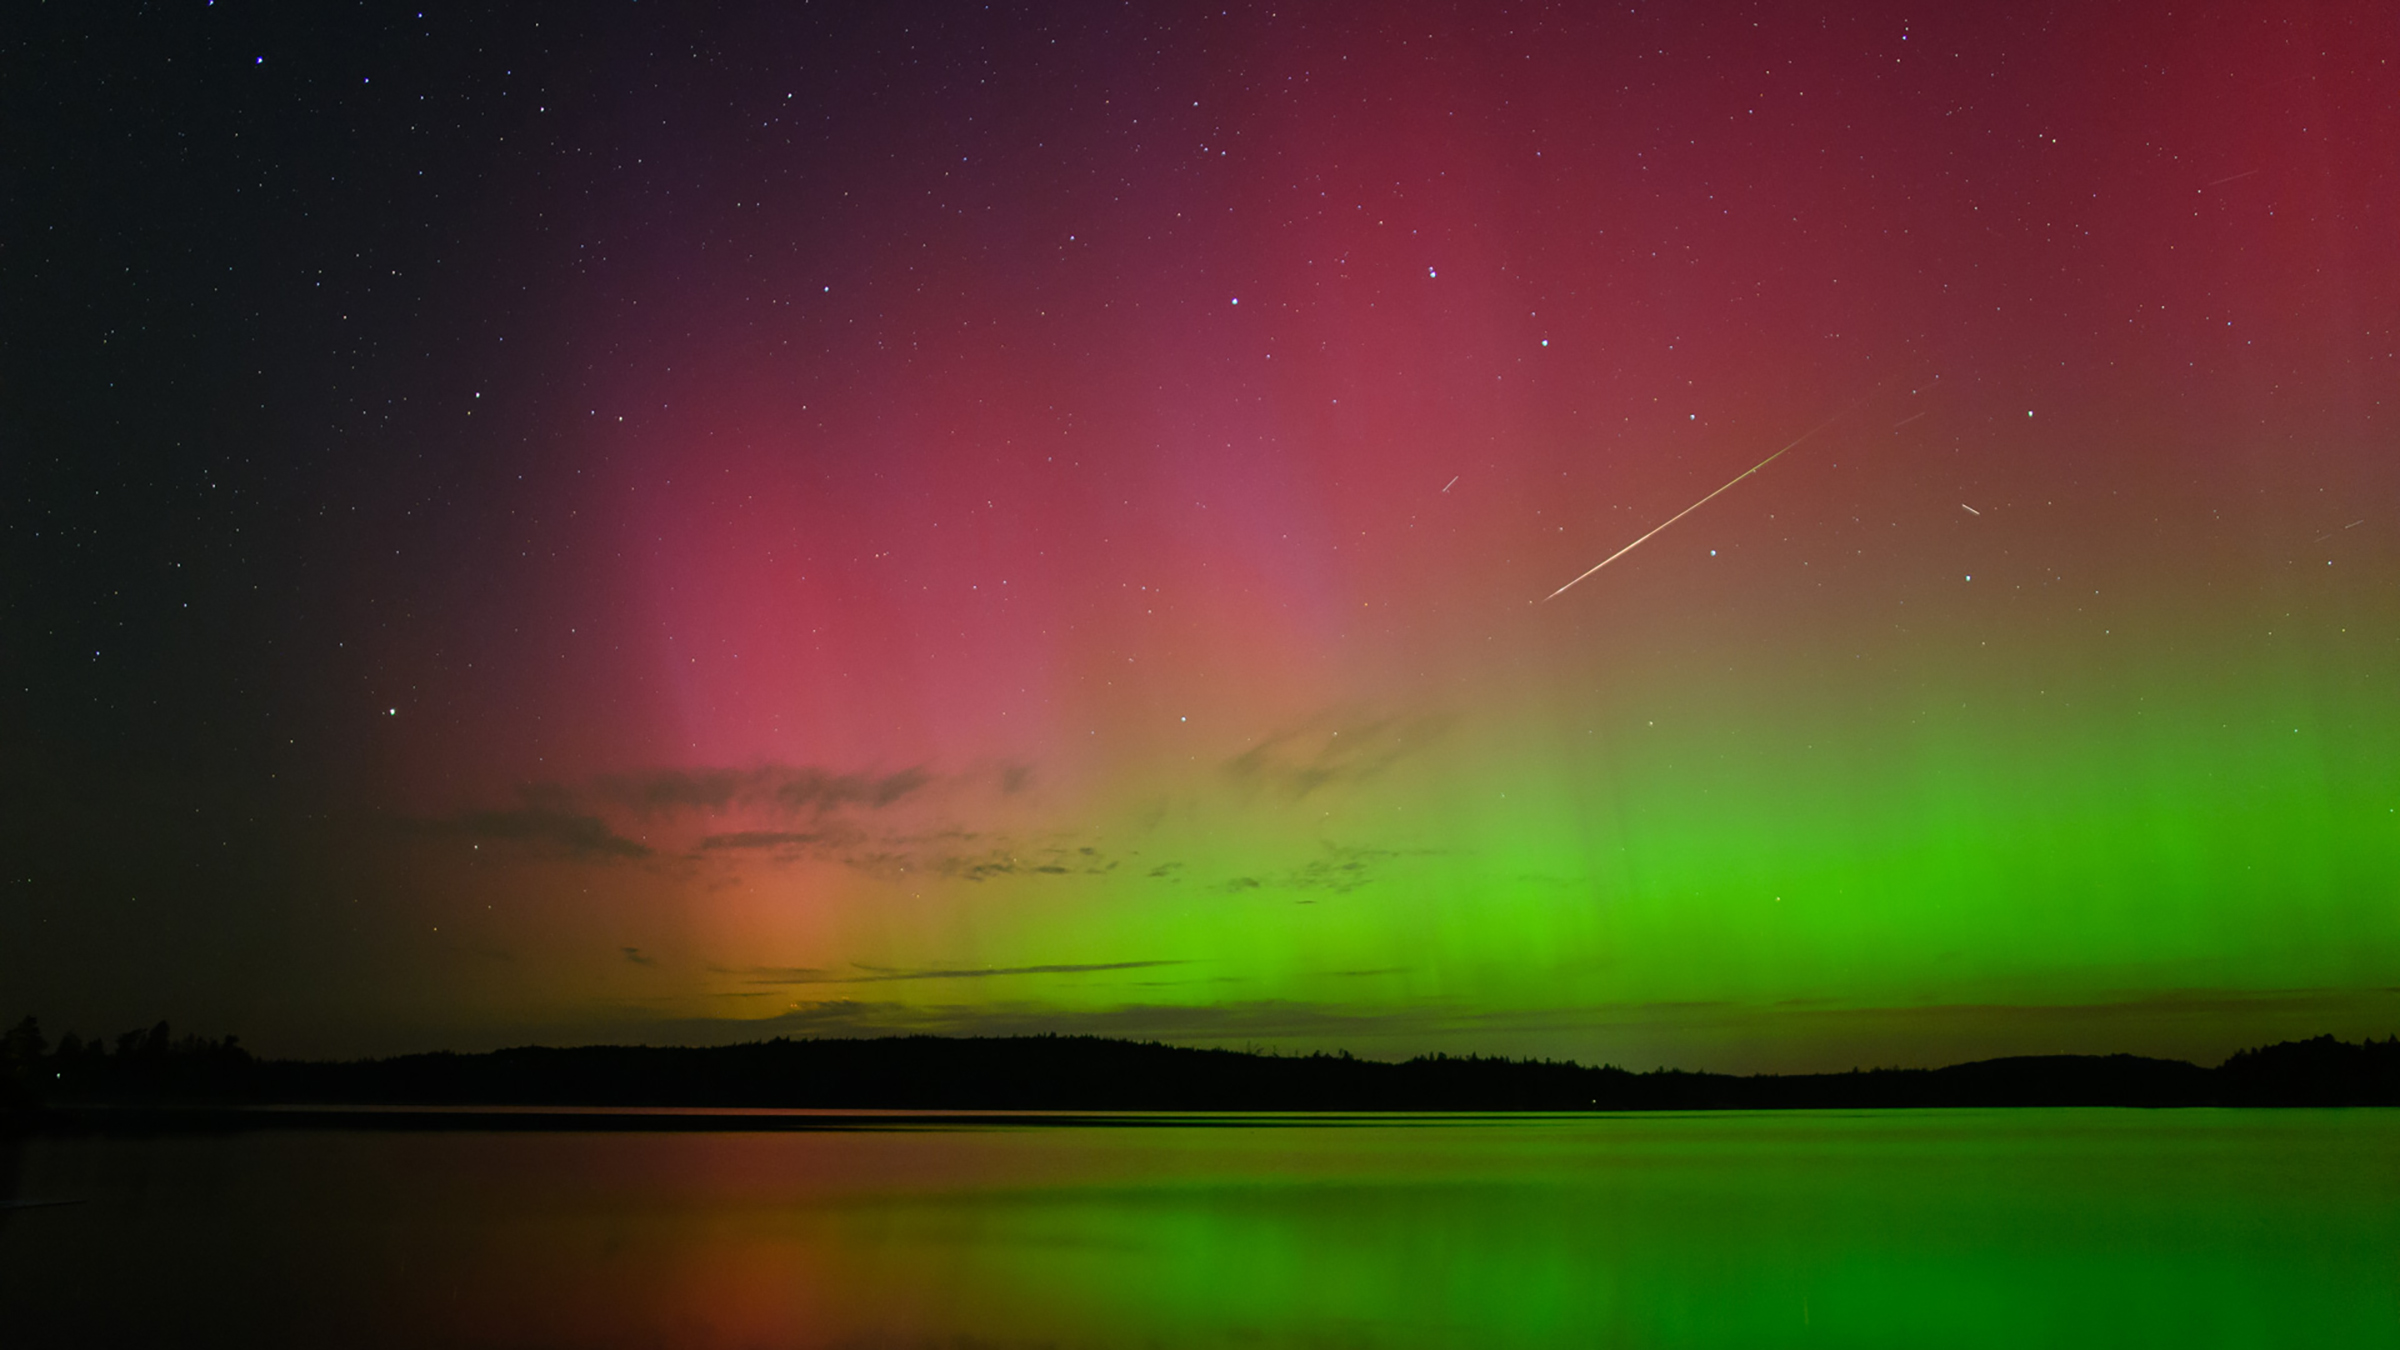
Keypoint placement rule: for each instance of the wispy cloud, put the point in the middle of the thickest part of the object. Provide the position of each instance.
(803, 789)
(776, 974)
(1327, 750)
(1341, 870)
(814, 789)
(1006, 859)
(882, 975)
(1257, 1020)
(575, 818)
(577, 835)
(769, 839)
(677, 789)
(954, 855)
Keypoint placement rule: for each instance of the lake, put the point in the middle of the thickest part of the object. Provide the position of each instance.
(1950, 1228)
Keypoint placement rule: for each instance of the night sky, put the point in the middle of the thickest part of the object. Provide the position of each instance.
(650, 522)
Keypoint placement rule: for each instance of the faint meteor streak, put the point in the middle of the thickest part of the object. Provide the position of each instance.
(1969, 509)
(2244, 174)
(1694, 506)
(1906, 420)
(1453, 482)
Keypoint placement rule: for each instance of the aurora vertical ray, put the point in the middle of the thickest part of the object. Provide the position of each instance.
(960, 521)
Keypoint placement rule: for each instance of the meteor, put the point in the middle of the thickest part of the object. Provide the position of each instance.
(1694, 506)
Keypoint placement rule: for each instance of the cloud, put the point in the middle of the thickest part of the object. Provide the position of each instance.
(1342, 870)
(779, 974)
(634, 954)
(793, 789)
(578, 836)
(1320, 753)
(995, 865)
(939, 854)
(804, 789)
(757, 839)
(1261, 1020)
(677, 789)
(880, 975)
(1009, 859)
(575, 819)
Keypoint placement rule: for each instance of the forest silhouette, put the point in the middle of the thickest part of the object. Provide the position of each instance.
(153, 1067)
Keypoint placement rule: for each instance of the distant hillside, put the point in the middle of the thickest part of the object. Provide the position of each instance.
(1074, 1073)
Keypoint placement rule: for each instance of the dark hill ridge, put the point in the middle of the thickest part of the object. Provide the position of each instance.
(1089, 1074)
(1075, 1073)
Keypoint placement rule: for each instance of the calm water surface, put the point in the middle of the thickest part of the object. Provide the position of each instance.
(2021, 1228)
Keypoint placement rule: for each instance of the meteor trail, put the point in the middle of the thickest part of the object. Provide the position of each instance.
(1452, 483)
(1694, 506)
(1969, 509)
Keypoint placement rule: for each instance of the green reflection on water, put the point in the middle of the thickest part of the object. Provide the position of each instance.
(1901, 1229)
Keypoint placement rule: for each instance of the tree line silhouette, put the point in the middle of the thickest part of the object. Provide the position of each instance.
(148, 1064)
(1084, 1073)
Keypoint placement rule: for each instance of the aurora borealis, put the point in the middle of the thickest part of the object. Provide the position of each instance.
(672, 523)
